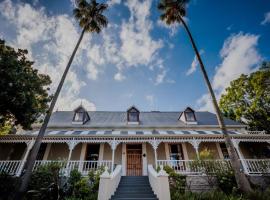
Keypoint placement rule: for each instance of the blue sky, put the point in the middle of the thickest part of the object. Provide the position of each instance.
(138, 60)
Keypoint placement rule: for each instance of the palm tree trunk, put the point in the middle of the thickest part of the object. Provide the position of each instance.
(240, 177)
(33, 154)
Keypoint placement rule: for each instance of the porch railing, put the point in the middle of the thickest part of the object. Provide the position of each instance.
(257, 166)
(14, 167)
(251, 166)
(194, 166)
(10, 166)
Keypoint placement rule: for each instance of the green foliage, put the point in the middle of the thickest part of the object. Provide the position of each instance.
(86, 188)
(82, 189)
(45, 182)
(247, 99)
(177, 182)
(8, 185)
(23, 95)
(48, 183)
(226, 181)
(213, 195)
(259, 195)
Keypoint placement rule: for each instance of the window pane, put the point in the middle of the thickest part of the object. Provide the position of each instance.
(78, 116)
(190, 116)
(133, 117)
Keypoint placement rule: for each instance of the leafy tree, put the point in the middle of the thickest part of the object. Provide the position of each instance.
(23, 93)
(174, 11)
(91, 19)
(247, 99)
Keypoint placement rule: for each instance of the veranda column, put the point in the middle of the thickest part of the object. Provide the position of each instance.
(144, 158)
(167, 151)
(196, 143)
(155, 144)
(47, 151)
(184, 146)
(113, 145)
(124, 158)
(101, 152)
(236, 146)
(82, 156)
(28, 148)
(71, 145)
(219, 151)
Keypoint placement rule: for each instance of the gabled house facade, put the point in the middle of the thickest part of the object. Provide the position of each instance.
(134, 139)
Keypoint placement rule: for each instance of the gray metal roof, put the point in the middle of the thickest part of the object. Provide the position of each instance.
(103, 119)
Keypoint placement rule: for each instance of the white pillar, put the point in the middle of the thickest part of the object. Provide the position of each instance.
(167, 151)
(236, 146)
(155, 144)
(29, 146)
(220, 154)
(113, 151)
(124, 158)
(184, 147)
(196, 143)
(47, 151)
(144, 159)
(155, 152)
(113, 145)
(82, 156)
(101, 152)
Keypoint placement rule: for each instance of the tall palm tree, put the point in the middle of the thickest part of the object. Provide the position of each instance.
(91, 19)
(174, 11)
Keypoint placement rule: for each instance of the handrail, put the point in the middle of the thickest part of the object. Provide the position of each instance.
(109, 182)
(14, 167)
(159, 183)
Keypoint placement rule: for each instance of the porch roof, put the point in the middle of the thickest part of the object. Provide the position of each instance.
(126, 132)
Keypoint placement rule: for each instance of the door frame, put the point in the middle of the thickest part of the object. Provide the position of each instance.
(144, 158)
(140, 158)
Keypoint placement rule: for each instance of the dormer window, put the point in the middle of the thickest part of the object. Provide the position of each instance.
(133, 115)
(188, 116)
(80, 116)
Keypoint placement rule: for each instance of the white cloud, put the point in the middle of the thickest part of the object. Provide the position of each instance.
(150, 99)
(239, 56)
(266, 19)
(85, 103)
(138, 47)
(113, 2)
(119, 76)
(173, 28)
(160, 77)
(194, 64)
(54, 37)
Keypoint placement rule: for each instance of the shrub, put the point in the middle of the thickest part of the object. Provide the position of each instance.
(177, 182)
(8, 184)
(45, 182)
(226, 181)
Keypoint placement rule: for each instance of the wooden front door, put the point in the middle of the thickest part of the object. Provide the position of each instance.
(134, 160)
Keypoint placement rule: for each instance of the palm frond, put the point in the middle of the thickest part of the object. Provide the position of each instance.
(172, 10)
(90, 15)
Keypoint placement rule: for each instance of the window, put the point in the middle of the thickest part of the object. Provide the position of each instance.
(80, 116)
(190, 116)
(92, 152)
(176, 152)
(133, 115)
